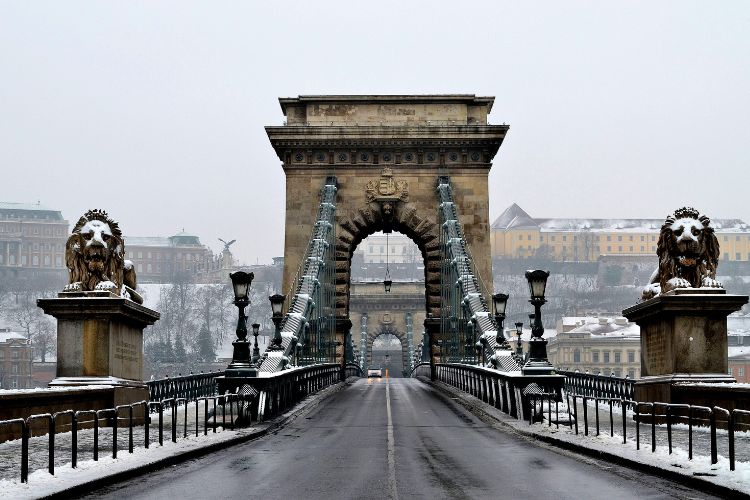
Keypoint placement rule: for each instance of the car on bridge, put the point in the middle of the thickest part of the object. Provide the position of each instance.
(374, 372)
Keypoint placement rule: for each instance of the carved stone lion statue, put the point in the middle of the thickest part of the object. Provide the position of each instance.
(688, 253)
(94, 254)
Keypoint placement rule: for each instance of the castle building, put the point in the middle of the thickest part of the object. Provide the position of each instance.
(158, 259)
(516, 235)
(15, 360)
(32, 241)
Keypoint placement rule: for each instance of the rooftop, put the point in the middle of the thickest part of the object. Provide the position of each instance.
(389, 99)
(36, 209)
(514, 217)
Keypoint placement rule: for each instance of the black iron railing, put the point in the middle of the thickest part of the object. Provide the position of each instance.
(656, 415)
(184, 386)
(353, 370)
(253, 400)
(600, 386)
(506, 391)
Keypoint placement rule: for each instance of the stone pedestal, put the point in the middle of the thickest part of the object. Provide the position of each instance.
(100, 341)
(683, 339)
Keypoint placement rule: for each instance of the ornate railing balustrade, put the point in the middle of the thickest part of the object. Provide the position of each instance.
(510, 392)
(464, 311)
(184, 386)
(196, 412)
(310, 318)
(600, 386)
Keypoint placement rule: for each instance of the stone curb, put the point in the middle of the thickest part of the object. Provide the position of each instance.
(478, 406)
(179, 457)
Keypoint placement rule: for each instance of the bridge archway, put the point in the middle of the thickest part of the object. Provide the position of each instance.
(386, 153)
(399, 360)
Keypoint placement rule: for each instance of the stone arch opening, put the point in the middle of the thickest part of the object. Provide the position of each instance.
(403, 218)
(376, 357)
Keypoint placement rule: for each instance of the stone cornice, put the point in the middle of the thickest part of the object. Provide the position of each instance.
(489, 137)
(389, 99)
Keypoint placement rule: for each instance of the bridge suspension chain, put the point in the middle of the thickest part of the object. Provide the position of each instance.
(309, 325)
(464, 313)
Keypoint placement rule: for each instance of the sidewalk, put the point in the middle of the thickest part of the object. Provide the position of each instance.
(698, 473)
(91, 474)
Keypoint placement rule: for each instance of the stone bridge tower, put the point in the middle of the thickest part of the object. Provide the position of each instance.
(387, 153)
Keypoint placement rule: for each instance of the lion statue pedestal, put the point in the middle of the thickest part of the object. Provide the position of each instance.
(100, 319)
(683, 339)
(683, 317)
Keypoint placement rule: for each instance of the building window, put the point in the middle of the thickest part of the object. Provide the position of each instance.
(631, 356)
(643, 248)
(617, 357)
(730, 370)
(140, 255)
(520, 237)
(595, 356)
(741, 371)
(552, 238)
(618, 372)
(606, 356)
(609, 238)
(631, 248)
(619, 249)
(576, 355)
(643, 238)
(631, 373)
(737, 256)
(619, 238)
(529, 238)
(565, 238)
(609, 248)
(34, 260)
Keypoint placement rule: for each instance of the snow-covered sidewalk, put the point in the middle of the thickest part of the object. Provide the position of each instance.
(699, 470)
(108, 470)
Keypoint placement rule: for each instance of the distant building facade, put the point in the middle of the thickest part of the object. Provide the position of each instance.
(396, 248)
(516, 235)
(32, 240)
(597, 345)
(158, 259)
(15, 360)
(738, 343)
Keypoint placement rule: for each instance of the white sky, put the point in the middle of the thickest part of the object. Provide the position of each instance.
(154, 111)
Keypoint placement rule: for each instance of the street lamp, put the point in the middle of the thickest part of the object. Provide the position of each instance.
(240, 365)
(277, 305)
(499, 304)
(256, 351)
(519, 345)
(538, 364)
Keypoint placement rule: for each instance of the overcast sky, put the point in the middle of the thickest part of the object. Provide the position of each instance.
(154, 111)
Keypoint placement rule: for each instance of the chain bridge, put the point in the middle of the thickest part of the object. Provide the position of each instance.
(458, 425)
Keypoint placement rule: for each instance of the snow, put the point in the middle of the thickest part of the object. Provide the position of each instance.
(42, 484)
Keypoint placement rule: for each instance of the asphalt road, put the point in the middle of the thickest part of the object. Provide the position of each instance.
(394, 438)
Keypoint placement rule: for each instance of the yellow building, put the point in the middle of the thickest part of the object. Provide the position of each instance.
(516, 235)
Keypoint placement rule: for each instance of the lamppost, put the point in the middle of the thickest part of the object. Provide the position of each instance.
(256, 351)
(240, 365)
(538, 364)
(499, 304)
(277, 305)
(519, 345)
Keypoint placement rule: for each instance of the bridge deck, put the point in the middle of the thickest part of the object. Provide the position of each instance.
(433, 448)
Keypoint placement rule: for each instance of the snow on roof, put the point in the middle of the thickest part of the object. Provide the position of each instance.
(8, 205)
(147, 241)
(515, 217)
(608, 327)
(6, 336)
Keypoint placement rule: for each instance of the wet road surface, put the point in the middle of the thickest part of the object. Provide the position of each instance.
(394, 438)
